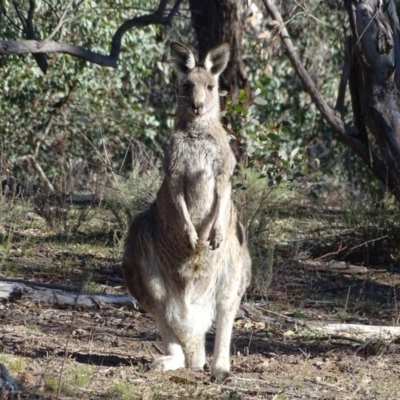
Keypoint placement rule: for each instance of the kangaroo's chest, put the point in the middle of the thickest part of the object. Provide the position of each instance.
(201, 159)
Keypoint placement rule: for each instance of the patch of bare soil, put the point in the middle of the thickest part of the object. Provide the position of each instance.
(105, 352)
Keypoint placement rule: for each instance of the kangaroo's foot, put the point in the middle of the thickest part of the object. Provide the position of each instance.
(168, 363)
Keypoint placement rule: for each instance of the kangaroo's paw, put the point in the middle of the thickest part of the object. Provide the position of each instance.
(215, 238)
(192, 237)
(219, 371)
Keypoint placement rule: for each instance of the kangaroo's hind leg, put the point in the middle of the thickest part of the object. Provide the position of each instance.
(174, 357)
(226, 312)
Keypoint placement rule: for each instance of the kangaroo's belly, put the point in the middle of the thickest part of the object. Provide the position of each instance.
(199, 181)
(200, 196)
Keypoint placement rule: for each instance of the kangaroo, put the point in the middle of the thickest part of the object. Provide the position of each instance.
(186, 258)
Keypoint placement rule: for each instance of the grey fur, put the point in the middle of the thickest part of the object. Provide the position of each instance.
(186, 258)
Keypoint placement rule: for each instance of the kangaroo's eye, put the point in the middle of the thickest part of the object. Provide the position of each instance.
(210, 88)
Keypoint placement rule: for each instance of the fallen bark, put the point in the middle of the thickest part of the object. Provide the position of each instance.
(13, 291)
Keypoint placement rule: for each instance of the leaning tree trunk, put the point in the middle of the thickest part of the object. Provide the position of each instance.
(374, 81)
(216, 21)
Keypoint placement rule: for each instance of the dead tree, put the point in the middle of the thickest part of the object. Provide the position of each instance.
(372, 70)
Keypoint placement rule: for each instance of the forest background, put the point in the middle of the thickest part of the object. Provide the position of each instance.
(82, 136)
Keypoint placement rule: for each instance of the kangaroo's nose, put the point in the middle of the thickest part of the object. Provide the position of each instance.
(197, 107)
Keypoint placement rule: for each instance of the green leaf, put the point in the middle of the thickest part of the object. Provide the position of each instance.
(294, 152)
(260, 101)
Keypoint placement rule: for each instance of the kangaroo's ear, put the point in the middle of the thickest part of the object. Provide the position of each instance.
(182, 57)
(217, 59)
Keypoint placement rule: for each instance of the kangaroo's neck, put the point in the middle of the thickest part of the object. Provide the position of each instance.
(188, 122)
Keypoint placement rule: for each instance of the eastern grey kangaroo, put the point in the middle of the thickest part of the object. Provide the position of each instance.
(186, 258)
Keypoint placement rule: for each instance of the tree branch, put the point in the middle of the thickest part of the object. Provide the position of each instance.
(49, 46)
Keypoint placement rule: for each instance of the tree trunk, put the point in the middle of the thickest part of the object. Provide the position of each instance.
(374, 81)
(216, 21)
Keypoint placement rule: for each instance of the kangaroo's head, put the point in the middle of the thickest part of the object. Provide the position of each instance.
(198, 82)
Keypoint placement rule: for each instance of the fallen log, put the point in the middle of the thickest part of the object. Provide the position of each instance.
(14, 291)
(381, 332)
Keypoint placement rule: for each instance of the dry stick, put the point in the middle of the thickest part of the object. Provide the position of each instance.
(289, 319)
(332, 253)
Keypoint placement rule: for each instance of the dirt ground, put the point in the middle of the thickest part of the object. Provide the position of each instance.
(105, 353)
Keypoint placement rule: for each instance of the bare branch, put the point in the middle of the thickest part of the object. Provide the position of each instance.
(32, 160)
(49, 46)
(46, 131)
(61, 22)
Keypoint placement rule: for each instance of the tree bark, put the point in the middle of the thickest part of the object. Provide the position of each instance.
(375, 80)
(216, 21)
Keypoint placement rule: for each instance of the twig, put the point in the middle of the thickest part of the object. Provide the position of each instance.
(369, 241)
(333, 253)
(288, 319)
(61, 22)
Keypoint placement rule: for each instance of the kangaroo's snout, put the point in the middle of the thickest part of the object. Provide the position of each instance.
(197, 108)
